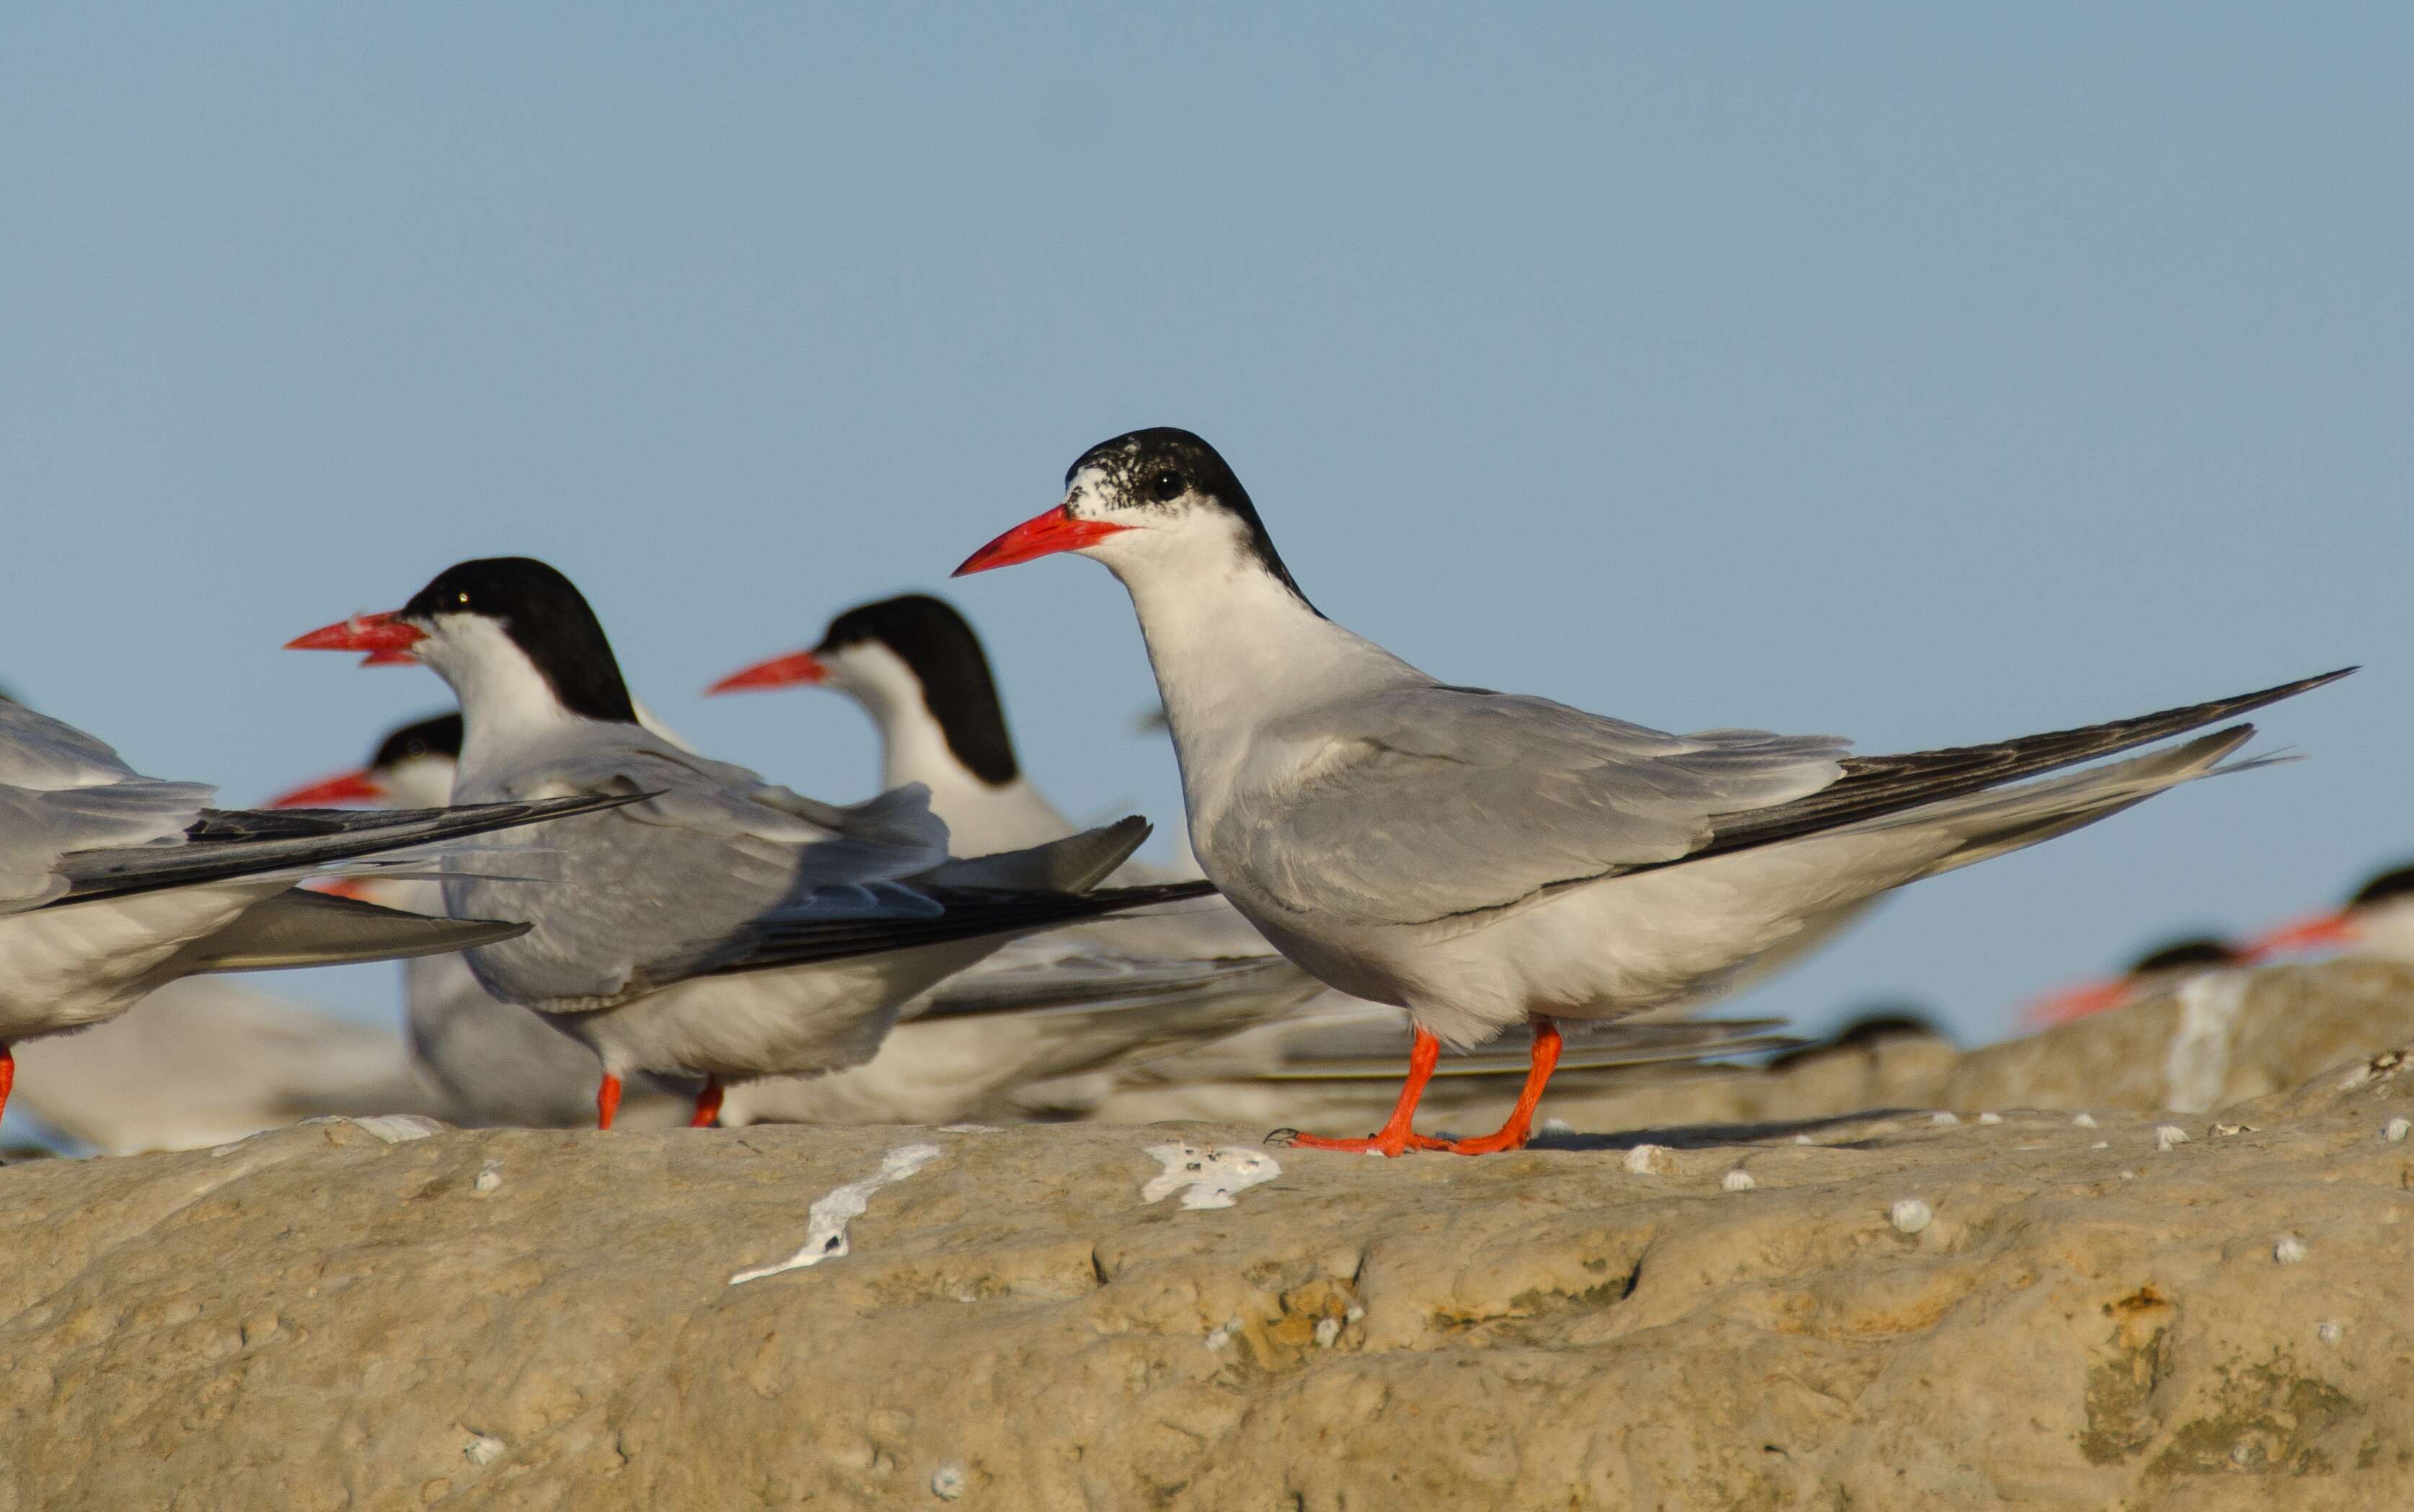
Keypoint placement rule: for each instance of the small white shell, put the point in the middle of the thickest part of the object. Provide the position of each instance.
(1651, 1161)
(2329, 1333)
(2085, 1120)
(1737, 1181)
(2167, 1135)
(1944, 1120)
(2101, 1145)
(1327, 1330)
(2289, 1249)
(490, 1175)
(1802, 1139)
(1990, 1117)
(1910, 1215)
(948, 1482)
(483, 1449)
(2397, 1130)
(1557, 1125)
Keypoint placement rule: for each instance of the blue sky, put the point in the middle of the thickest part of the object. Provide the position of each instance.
(1917, 373)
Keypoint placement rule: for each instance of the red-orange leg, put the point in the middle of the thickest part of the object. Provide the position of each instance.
(708, 1104)
(608, 1100)
(1396, 1137)
(8, 1075)
(1520, 1127)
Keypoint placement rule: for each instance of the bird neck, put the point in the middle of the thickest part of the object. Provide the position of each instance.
(1236, 649)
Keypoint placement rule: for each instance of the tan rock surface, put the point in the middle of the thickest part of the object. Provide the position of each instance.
(2224, 1037)
(343, 1315)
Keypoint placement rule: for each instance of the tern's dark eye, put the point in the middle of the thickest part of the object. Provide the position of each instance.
(1166, 486)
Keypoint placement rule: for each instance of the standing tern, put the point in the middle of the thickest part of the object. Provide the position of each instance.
(113, 884)
(719, 925)
(1482, 858)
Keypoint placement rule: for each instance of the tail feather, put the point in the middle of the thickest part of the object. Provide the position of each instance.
(296, 928)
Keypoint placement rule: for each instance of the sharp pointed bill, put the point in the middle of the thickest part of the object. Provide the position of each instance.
(796, 670)
(1484, 859)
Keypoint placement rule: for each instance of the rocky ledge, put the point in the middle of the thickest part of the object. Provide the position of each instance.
(1989, 1307)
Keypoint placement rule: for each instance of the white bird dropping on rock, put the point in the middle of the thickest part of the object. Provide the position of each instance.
(1739, 1181)
(948, 1482)
(2085, 1120)
(2397, 1131)
(1327, 1330)
(2289, 1249)
(2167, 1135)
(1910, 1215)
(826, 1220)
(1206, 1177)
(2329, 1333)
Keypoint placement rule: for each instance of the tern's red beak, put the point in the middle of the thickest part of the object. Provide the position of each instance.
(779, 672)
(344, 788)
(2324, 932)
(362, 632)
(2073, 1003)
(1045, 535)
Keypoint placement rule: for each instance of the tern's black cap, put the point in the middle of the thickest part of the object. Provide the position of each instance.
(437, 737)
(546, 617)
(1156, 466)
(932, 639)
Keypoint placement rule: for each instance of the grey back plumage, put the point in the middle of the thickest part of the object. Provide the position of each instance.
(1429, 800)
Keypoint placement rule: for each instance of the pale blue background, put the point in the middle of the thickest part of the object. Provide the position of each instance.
(1906, 371)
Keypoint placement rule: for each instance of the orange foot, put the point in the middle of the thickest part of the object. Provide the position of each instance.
(1383, 1144)
(1493, 1144)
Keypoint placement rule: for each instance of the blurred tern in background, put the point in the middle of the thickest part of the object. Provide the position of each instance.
(2376, 923)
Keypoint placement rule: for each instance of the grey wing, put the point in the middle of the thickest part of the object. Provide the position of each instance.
(694, 875)
(890, 836)
(62, 791)
(1423, 804)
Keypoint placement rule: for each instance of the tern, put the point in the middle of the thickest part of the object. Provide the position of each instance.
(2376, 923)
(1483, 859)
(719, 925)
(113, 884)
